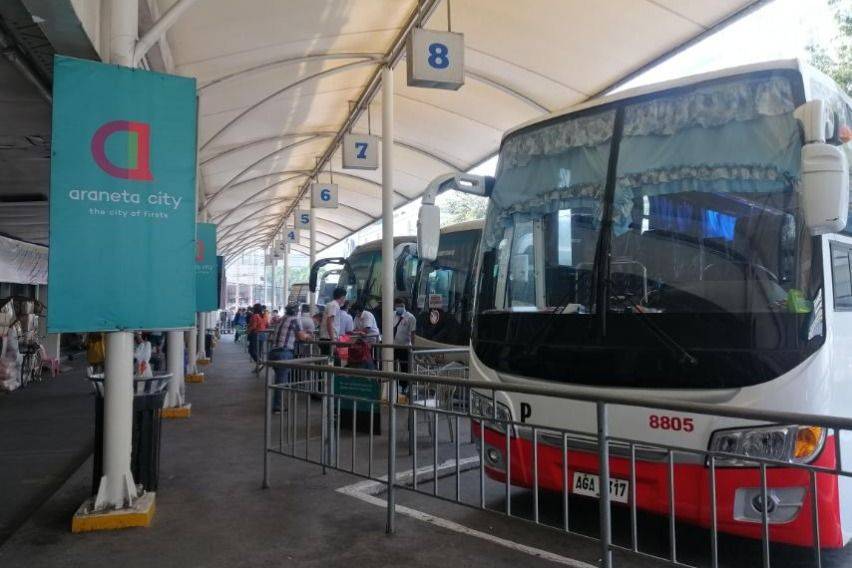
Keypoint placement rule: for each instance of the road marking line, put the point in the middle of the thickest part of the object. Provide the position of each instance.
(366, 492)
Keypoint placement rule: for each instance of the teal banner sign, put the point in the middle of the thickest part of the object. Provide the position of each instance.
(122, 199)
(206, 269)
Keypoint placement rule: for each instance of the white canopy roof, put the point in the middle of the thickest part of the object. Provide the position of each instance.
(278, 82)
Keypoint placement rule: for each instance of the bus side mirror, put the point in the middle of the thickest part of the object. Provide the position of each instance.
(428, 232)
(824, 188)
(816, 122)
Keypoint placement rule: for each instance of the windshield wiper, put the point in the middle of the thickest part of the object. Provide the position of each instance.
(684, 356)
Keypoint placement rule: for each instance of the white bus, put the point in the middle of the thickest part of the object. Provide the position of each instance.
(687, 241)
(444, 288)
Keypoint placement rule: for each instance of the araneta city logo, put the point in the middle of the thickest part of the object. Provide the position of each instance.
(138, 163)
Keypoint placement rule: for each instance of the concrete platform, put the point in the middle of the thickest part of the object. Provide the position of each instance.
(212, 512)
(46, 432)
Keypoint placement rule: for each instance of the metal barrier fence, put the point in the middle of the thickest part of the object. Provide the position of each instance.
(319, 401)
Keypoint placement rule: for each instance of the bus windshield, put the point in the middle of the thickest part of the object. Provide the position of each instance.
(680, 205)
(445, 289)
(365, 269)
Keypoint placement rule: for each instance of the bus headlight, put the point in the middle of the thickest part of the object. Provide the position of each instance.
(794, 444)
(481, 406)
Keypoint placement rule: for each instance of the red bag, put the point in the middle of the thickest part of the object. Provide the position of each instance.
(359, 353)
(342, 351)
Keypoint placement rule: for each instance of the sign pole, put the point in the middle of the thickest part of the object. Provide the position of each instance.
(286, 275)
(387, 216)
(117, 489)
(312, 299)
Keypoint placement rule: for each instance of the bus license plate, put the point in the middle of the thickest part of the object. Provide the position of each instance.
(589, 485)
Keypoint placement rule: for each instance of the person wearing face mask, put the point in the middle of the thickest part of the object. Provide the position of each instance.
(404, 326)
(329, 326)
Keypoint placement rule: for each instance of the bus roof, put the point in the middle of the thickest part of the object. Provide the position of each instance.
(477, 224)
(377, 245)
(788, 64)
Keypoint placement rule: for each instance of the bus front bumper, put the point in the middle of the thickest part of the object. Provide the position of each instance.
(737, 488)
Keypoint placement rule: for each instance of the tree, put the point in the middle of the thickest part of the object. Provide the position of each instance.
(457, 207)
(836, 62)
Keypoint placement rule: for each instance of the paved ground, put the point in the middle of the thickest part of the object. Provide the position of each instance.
(46, 433)
(212, 512)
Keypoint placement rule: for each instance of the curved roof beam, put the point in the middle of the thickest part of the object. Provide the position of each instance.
(325, 133)
(276, 200)
(305, 173)
(238, 248)
(229, 230)
(247, 233)
(211, 198)
(230, 234)
(365, 180)
(324, 73)
(299, 174)
(507, 89)
(421, 12)
(263, 227)
(257, 141)
(230, 247)
(377, 57)
(335, 223)
(246, 218)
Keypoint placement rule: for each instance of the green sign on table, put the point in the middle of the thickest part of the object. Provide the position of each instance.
(206, 268)
(122, 199)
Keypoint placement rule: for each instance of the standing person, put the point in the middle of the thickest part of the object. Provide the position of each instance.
(142, 355)
(345, 324)
(238, 322)
(365, 324)
(95, 351)
(330, 317)
(256, 325)
(275, 319)
(404, 326)
(283, 348)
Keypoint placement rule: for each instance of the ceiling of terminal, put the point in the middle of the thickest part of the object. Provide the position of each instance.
(277, 82)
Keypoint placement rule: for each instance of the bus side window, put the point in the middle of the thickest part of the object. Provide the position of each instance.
(841, 274)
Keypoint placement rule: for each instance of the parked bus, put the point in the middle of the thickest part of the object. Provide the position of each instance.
(444, 288)
(298, 293)
(327, 283)
(682, 241)
(361, 273)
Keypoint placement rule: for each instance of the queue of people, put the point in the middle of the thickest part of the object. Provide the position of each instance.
(337, 321)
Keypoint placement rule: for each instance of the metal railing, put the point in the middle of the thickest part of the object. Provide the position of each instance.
(507, 456)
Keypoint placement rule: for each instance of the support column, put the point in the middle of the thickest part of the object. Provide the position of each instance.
(312, 298)
(117, 489)
(192, 372)
(387, 215)
(285, 277)
(175, 406)
(200, 334)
